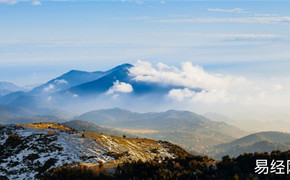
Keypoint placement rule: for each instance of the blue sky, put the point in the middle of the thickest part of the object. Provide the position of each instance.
(42, 39)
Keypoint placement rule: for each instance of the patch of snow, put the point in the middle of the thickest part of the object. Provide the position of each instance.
(67, 148)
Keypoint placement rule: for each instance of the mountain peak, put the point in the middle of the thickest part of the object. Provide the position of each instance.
(171, 111)
(122, 66)
(74, 71)
(125, 65)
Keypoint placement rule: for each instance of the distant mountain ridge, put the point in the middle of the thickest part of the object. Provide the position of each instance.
(68, 80)
(14, 115)
(190, 130)
(257, 142)
(219, 117)
(124, 118)
(7, 87)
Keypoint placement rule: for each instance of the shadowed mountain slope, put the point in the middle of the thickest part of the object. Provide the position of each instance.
(258, 142)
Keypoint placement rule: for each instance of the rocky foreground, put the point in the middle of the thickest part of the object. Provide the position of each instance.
(28, 151)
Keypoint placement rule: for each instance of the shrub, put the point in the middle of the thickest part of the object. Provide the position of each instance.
(13, 140)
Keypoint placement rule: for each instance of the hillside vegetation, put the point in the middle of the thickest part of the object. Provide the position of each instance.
(185, 167)
(31, 150)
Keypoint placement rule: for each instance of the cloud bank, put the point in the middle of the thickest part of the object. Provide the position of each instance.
(188, 76)
(220, 92)
(215, 87)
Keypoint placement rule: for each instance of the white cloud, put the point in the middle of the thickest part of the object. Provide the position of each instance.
(181, 94)
(234, 10)
(277, 87)
(36, 3)
(49, 88)
(218, 90)
(247, 36)
(60, 81)
(215, 87)
(215, 95)
(188, 76)
(249, 20)
(53, 86)
(135, 1)
(12, 2)
(120, 87)
(9, 2)
(204, 96)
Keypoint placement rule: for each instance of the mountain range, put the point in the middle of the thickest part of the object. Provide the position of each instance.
(187, 129)
(77, 90)
(63, 98)
(83, 83)
(191, 131)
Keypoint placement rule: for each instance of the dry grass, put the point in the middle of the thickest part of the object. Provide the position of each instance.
(120, 139)
(123, 147)
(47, 126)
(141, 147)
